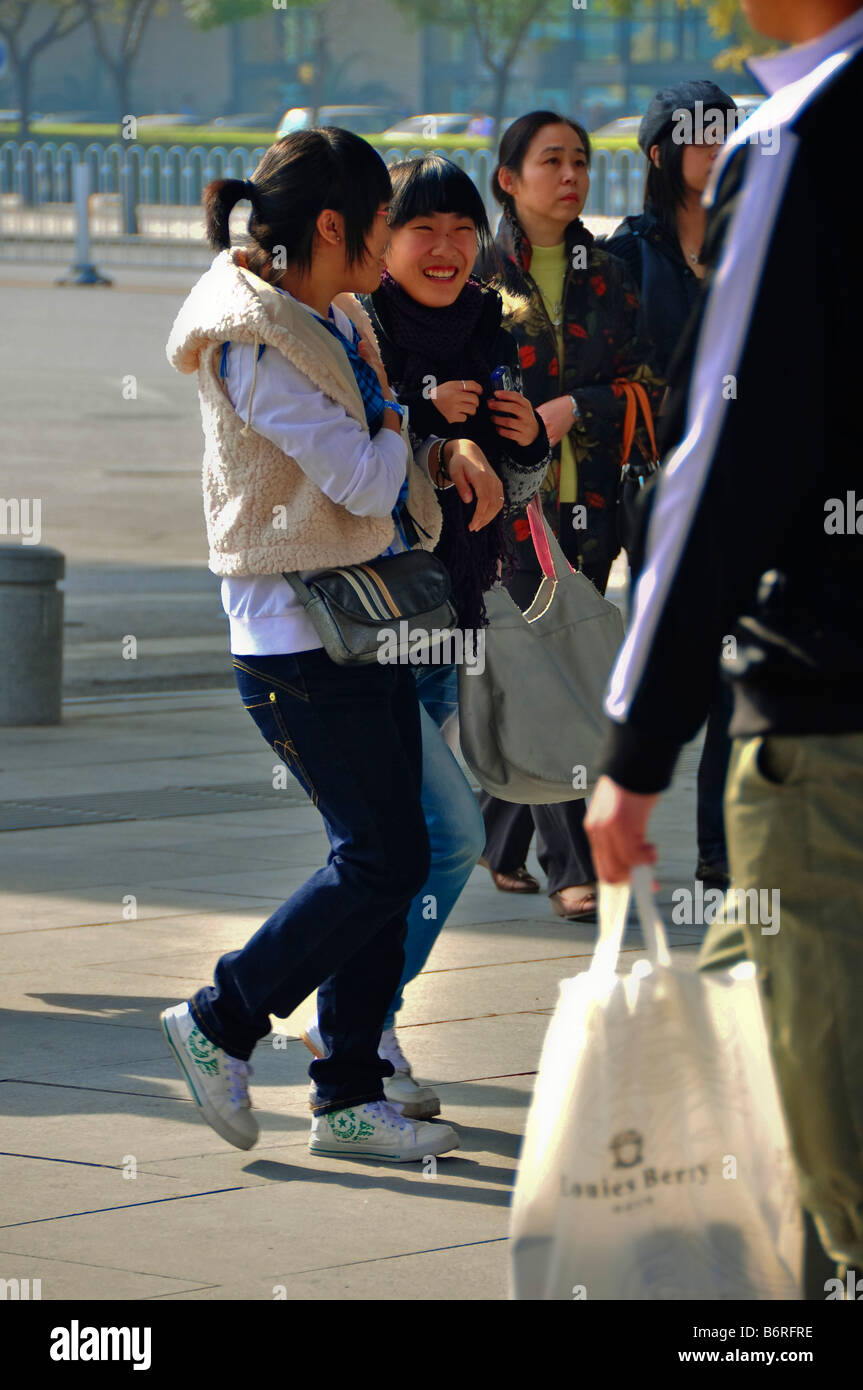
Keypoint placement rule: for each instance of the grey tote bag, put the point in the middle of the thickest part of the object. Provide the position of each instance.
(531, 720)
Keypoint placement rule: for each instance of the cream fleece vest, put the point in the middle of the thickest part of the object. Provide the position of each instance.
(263, 514)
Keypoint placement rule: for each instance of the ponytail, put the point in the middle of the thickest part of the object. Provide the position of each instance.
(297, 178)
(220, 198)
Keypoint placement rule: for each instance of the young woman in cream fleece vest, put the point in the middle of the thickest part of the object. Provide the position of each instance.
(295, 479)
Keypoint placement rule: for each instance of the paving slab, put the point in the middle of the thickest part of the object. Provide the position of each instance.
(73, 1280)
(87, 1084)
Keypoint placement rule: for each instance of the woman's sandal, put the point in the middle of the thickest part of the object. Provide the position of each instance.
(575, 909)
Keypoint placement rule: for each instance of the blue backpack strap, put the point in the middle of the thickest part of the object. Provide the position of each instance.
(223, 362)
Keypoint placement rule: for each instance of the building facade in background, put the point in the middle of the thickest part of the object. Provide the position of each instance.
(370, 52)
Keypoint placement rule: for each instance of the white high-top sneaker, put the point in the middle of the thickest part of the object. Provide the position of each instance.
(413, 1101)
(377, 1130)
(218, 1082)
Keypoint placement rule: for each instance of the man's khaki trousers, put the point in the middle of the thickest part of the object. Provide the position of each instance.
(794, 821)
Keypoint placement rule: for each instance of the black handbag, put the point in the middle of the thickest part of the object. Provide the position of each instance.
(634, 472)
(397, 608)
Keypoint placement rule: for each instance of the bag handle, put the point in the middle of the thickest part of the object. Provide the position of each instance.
(636, 396)
(302, 591)
(613, 911)
(539, 536)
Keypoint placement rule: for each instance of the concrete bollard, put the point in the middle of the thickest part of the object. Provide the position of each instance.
(31, 634)
(83, 271)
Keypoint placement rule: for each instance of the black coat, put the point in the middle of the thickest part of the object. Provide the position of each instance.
(603, 342)
(472, 558)
(521, 468)
(669, 288)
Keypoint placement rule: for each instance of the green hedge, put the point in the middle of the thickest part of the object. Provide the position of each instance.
(186, 135)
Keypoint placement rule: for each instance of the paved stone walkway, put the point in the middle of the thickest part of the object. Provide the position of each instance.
(110, 1186)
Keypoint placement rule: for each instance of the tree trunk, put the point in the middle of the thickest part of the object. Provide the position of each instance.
(25, 96)
(322, 58)
(123, 79)
(500, 90)
(22, 68)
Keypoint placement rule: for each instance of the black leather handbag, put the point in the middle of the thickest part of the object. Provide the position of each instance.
(634, 471)
(396, 608)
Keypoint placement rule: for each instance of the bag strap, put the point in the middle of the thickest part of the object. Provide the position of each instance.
(539, 536)
(644, 401)
(636, 396)
(613, 910)
(302, 591)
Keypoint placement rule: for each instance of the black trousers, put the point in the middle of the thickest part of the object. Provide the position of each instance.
(561, 843)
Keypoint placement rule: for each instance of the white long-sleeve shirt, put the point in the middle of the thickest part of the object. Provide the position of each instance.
(361, 474)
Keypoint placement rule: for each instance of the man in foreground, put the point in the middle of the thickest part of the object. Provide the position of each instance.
(753, 548)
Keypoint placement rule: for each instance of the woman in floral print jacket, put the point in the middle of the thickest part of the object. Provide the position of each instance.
(574, 314)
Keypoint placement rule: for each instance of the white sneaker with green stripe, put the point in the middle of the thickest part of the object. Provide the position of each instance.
(218, 1082)
(412, 1100)
(377, 1130)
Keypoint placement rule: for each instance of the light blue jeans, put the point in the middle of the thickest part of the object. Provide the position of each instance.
(455, 825)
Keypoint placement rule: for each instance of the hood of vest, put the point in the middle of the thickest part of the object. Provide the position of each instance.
(231, 304)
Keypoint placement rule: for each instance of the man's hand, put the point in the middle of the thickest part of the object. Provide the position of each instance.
(616, 826)
(456, 400)
(514, 417)
(474, 476)
(558, 418)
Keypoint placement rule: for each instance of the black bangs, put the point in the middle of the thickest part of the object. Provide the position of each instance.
(433, 184)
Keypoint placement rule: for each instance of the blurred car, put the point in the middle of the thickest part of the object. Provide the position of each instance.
(625, 129)
(362, 120)
(171, 118)
(74, 118)
(248, 120)
(8, 117)
(430, 126)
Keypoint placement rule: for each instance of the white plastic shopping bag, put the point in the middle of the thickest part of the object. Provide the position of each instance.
(656, 1162)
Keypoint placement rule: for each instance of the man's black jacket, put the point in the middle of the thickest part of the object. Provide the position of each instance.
(756, 526)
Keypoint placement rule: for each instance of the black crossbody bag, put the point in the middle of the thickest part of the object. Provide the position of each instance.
(382, 610)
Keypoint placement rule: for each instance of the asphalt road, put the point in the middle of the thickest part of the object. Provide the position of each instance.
(106, 435)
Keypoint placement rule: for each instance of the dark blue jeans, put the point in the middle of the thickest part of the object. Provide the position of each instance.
(351, 737)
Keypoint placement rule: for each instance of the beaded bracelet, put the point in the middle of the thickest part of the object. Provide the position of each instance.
(441, 475)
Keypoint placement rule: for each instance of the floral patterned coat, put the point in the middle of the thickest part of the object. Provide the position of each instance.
(604, 341)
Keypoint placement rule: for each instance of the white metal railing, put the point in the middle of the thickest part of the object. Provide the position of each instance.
(148, 205)
(43, 172)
